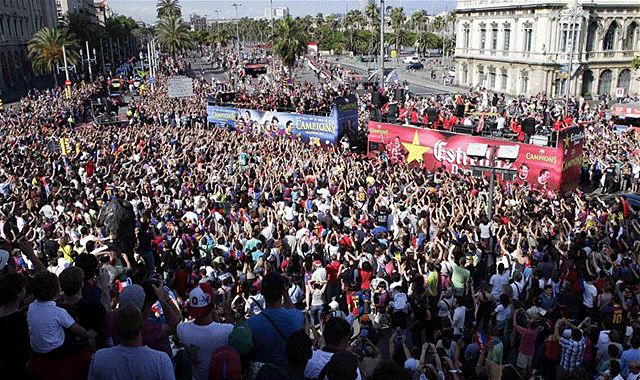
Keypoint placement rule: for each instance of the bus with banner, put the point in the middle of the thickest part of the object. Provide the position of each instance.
(556, 167)
(313, 129)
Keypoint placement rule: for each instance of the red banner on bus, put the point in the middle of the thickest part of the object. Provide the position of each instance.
(542, 167)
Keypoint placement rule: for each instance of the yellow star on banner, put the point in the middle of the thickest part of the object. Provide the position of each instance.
(416, 151)
(566, 141)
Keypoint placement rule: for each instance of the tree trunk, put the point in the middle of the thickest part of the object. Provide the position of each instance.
(55, 75)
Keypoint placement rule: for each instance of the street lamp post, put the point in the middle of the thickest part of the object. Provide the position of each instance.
(67, 82)
(572, 13)
(90, 60)
(236, 5)
(381, 65)
(102, 56)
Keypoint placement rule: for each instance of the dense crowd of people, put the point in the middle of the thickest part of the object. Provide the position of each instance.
(169, 249)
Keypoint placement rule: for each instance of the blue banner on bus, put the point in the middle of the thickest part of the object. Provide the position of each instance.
(313, 129)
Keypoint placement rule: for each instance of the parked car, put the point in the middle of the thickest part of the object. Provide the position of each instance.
(412, 59)
(415, 66)
(367, 58)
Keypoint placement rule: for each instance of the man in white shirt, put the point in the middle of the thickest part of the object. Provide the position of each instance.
(588, 297)
(202, 336)
(498, 281)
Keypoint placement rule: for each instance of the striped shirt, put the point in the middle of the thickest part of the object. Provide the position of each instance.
(572, 353)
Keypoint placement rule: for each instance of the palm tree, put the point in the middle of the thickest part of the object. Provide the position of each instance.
(427, 41)
(331, 22)
(168, 8)
(220, 37)
(173, 35)
(373, 14)
(397, 20)
(419, 20)
(352, 40)
(289, 40)
(451, 20)
(438, 23)
(354, 19)
(45, 51)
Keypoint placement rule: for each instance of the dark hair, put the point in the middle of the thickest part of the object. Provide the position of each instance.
(299, 348)
(88, 263)
(45, 286)
(10, 285)
(343, 365)
(128, 322)
(272, 287)
(335, 331)
(71, 280)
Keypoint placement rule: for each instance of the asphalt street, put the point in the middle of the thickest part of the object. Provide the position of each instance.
(417, 84)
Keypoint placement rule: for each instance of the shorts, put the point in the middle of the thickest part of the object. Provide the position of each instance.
(524, 361)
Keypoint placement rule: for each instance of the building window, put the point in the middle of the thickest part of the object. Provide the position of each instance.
(503, 79)
(568, 35)
(591, 36)
(630, 38)
(604, 86)
(524, 82)
(624, 79)
(610, 37)
(481, 75)
(528, 35)
(465, 36)
(465, 74)
(494, 39)
(483, 38)
(492, 77)
(507, 39)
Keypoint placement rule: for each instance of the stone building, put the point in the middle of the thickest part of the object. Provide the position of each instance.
(526, 47)
(19, 21)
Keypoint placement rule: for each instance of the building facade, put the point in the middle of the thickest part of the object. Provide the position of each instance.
(19, 21)
(103, 11)
(85, 7)
(198, 22)
(276, 12)
(527, 47)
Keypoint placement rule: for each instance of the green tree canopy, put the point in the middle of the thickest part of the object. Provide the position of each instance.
(173, 35)
(289, 40)
(168, 8)
(45, 50)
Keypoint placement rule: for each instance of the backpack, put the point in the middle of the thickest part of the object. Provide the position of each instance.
(522, 293)
(351, 278)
